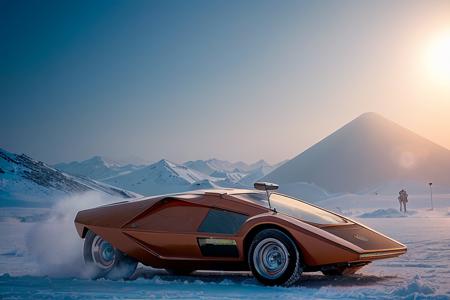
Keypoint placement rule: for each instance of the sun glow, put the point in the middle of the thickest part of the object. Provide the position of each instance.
(438, 58)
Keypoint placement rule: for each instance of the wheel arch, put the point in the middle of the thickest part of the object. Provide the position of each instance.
(82, 230)
(258, 228)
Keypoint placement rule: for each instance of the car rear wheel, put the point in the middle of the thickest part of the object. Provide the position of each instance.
(103, 260)
(274, 258)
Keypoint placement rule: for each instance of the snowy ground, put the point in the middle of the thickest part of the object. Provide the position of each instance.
(32, 263)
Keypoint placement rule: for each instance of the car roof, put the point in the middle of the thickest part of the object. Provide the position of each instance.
(223, 191)
(196, 193)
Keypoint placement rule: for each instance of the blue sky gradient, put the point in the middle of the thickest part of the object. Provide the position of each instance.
(238, 80)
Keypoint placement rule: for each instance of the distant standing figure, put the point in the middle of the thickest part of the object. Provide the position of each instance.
(403, 199)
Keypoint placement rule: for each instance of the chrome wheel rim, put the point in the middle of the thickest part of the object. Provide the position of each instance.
(103, 253)
(270, 258)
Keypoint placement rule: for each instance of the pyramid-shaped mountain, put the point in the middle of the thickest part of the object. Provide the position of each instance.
(368, 153)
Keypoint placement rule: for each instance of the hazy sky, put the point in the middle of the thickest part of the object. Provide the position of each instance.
(237, 80)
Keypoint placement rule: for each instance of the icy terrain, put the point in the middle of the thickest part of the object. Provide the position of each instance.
(39, 260)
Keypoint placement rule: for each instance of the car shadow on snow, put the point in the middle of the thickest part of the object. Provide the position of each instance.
(310, 280)
(316, 280)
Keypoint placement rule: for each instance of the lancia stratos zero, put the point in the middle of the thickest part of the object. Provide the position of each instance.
(274, 236)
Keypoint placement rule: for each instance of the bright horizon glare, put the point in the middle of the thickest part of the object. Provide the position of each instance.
(438, 58)
(187, 80)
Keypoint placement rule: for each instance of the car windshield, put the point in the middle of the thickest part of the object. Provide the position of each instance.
(258, 198)
(303, 211)
(293, 207)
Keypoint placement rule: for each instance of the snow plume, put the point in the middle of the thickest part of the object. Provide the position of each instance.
(54, 244)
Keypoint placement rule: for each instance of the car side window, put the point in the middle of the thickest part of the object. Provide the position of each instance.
(221, 221)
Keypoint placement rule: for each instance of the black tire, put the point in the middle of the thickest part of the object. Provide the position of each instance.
(180, 272)
(120, 266)
(274, 258)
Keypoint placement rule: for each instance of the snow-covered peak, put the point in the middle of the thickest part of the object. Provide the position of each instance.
(164, 163)
(97, 167)
(260, 163)
(174, 169)
(161, 177)
(211, 165)
(25, 181)
(200, 166)
(221, 165)
(102, 161)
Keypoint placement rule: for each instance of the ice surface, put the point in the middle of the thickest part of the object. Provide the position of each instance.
(42, 268)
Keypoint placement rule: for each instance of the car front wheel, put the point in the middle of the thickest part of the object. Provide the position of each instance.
(103, 260)
(274, 258)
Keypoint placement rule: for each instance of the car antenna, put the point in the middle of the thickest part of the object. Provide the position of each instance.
(266, 186)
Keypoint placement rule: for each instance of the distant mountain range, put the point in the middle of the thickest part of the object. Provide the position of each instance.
(165, 176)
(368, 155)
(27, 182)
(213, 165)
(97, 168)
(159, 178)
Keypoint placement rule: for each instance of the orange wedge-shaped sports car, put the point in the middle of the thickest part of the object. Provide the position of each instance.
(275, 236)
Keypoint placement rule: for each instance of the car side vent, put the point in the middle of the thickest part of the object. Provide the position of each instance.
(218, 247)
